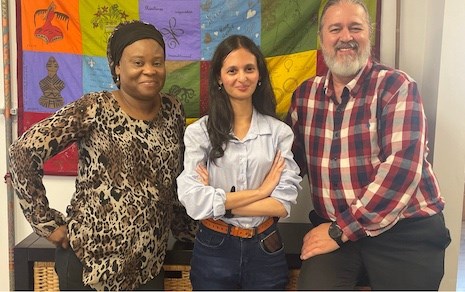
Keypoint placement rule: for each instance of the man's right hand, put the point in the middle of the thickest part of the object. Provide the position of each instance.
(59, 237)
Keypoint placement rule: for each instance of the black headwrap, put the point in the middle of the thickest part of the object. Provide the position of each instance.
(125, 34)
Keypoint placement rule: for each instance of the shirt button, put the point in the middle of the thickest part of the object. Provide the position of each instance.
(336, 134)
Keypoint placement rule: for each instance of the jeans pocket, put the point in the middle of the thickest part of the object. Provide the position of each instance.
(272, 244)
(209, 238)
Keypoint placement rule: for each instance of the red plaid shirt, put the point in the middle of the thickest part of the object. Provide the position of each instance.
(366, 157)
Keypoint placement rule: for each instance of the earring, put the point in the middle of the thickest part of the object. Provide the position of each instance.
(219, 86)
(259, 83)
(117, 79)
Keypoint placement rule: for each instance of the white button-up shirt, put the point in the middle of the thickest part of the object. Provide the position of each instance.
(244, 165)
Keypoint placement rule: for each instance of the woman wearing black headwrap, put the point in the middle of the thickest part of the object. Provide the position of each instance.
(115, 234)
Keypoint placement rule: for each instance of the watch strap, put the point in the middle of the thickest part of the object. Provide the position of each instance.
(337, 238)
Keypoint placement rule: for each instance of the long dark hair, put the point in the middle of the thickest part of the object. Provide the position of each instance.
(220, 112)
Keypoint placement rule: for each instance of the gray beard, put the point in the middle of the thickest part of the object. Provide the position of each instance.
(349, 66)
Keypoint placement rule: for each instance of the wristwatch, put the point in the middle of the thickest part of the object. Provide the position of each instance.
(228, 214)
(335, 232)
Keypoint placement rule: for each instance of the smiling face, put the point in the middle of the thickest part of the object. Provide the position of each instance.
(142, 70)
(239, 74)
(345, 38)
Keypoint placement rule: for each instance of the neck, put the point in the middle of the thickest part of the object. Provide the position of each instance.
(138, 108)
(242, 118)
(242, 109)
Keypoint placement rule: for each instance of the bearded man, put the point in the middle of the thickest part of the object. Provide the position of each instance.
(361, 137)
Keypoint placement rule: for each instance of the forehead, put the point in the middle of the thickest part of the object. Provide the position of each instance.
(143, 46)
(344, 13)
(239, 57)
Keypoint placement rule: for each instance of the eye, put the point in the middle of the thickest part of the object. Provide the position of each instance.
(138, 63)
(356, 28)
(158, 62)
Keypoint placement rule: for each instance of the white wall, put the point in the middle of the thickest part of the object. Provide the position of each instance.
(431, 52)
(449, 160)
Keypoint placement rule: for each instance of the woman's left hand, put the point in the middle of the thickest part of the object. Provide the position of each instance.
(59, 237)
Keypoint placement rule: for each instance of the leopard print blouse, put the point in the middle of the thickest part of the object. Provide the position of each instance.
(125, 201)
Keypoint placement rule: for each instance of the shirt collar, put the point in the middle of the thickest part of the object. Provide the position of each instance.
(258, 126)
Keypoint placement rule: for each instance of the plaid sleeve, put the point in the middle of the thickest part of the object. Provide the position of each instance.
(402, 142)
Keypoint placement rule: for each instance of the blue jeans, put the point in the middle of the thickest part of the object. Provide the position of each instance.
(225, 262)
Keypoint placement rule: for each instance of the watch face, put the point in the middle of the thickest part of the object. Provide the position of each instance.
(335, 231)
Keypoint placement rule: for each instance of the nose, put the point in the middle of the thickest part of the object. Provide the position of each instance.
(346, 35)
(242, 76)
(150, 69)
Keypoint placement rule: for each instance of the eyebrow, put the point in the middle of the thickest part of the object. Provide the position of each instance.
(340, 24)
(246, 65)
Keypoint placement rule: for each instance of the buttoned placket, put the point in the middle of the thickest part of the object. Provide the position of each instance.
(335, 152)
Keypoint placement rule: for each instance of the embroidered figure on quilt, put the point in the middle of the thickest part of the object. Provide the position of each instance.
(49, 32)
(51, 86)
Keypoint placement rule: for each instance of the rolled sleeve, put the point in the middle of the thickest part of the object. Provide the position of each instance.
(199, 200)
(287, 189)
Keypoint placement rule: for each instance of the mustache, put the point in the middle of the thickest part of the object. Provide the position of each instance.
(346, 45)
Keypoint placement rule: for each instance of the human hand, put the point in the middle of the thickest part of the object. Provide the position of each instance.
(59, 237)
(273, 176)
(203, 173)
(317, 241)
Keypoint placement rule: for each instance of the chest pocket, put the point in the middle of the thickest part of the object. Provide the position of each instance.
(366, 132)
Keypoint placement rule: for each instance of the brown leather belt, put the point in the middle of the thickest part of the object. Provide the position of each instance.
(222, 227)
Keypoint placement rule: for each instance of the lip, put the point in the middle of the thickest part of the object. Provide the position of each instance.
(346, 51)
(242, 88)
(148, 82)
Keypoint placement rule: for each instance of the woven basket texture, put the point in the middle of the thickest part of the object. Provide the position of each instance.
(176, 277)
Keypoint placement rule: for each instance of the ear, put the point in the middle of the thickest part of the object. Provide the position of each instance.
(117, 69)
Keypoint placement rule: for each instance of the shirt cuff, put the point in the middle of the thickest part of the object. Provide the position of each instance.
(219, 198)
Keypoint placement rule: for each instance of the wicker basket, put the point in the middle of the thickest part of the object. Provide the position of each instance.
(45, 278)
(176, 277)
(293, 276)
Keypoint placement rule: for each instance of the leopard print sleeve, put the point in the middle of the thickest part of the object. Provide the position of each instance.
(42, 141)
(183, 227)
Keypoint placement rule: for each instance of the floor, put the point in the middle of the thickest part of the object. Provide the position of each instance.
(461, 269)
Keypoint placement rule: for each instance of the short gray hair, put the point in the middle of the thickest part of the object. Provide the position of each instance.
(330, 3)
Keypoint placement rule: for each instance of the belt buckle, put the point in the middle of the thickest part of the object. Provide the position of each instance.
(249, 233)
